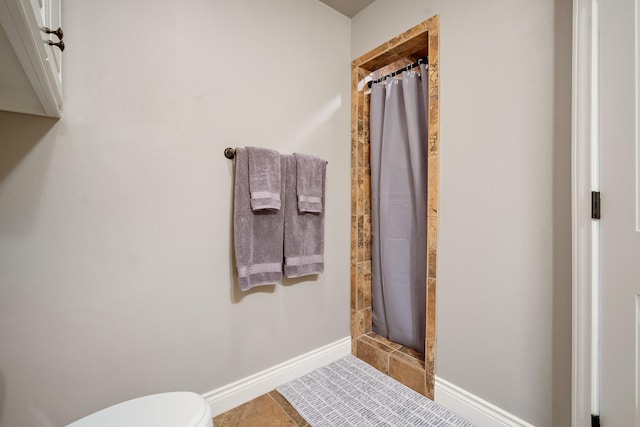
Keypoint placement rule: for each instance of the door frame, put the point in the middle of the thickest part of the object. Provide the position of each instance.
(584, 381)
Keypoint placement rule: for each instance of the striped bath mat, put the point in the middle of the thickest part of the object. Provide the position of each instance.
(350, 392)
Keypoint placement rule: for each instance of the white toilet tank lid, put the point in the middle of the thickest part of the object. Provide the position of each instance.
(174, 409)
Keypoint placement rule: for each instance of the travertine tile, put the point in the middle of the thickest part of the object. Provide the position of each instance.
(354, 191)
(360, 289)
(433, 184)
(360, 139)
(360, 161)
(354, 135)
(371, 54)
(367, 238)
(354, 288)
(362, 73)
(361, 194)
(262, 411)
(367, 190)
(363, 288)
(434, 76)
(432, 246)
(354, 115)
(366, 284)
(362, 323)
(288, 409)
(367, 319)
(374, 353)
(366, 100)
(407, 371)
(411, 356)
(430, 341)
(356, 331)
(384, 341)
(360, 246)
(354, 240)
(433, 142)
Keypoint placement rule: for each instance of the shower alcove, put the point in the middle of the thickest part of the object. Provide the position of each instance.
(411, 368)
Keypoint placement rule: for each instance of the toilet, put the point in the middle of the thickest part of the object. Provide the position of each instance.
(174, 409)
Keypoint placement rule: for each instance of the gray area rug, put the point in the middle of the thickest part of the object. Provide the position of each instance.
(350, 392)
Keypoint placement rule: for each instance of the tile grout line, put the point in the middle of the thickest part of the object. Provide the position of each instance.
(395, 350)
(380, 342)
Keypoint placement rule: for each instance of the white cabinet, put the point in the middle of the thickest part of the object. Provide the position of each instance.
(30, 69)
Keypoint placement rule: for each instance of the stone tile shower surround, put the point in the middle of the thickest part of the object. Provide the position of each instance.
(413, 369)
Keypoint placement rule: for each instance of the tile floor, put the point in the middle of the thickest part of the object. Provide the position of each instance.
(270, 409)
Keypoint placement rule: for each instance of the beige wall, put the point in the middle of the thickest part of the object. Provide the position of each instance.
(115, 222)
(504, 265)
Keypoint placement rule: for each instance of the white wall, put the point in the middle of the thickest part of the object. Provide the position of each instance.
(504, 286)
(116, 276)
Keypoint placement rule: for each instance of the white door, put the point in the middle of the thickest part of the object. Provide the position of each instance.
(620, 223)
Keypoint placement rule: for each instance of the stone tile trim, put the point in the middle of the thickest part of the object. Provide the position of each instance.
(400, 363)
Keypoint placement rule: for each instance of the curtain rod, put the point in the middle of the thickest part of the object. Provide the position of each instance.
(424, 60)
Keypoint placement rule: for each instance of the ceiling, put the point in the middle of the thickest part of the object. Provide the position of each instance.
(348, 7)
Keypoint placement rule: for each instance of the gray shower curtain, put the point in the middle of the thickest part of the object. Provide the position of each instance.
(398, 137)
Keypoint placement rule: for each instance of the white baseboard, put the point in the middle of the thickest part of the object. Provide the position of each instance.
(458, 400)
(241, 391)
(471, 407)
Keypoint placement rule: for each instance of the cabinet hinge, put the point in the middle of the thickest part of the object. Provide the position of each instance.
(595, 420)
(595, 205)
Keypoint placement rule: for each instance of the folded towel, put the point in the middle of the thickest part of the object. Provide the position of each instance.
(258, 236)
(264, 178)
(303, 231)
(310, 172)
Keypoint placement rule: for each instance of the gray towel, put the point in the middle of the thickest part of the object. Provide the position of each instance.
(303, 231)
(264, 178)
(257, 235)
(310, 172)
